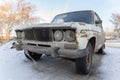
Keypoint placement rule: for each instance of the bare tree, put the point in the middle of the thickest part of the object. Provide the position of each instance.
(115, 19)
(16, 14)
(116, 22)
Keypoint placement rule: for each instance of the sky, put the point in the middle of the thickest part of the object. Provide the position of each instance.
(47, 9)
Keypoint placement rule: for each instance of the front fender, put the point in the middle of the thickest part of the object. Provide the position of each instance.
(83, 41)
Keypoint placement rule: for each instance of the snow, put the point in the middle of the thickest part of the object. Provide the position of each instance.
(14, 66)
(110, 67)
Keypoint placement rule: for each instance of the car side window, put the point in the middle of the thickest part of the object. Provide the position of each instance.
(95, 17)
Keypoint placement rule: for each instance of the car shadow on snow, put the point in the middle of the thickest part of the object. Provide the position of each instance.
(58, 68)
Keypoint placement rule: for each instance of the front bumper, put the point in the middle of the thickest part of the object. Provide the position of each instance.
(53, 51)
(56, 51)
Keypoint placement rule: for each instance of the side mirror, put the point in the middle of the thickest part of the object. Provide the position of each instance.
(98, 21)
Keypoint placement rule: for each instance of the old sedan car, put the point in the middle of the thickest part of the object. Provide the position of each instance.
(73, 35)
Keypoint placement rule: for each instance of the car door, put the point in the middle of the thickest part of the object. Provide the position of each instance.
(100, 32)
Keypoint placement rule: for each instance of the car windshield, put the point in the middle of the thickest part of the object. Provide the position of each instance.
(81, 16)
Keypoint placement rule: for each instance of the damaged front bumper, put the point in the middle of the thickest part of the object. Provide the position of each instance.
(18, 46)
(54, 52)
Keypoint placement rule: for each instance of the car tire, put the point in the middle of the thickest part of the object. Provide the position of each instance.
(83, 65)
(101, 50)
(33, 55)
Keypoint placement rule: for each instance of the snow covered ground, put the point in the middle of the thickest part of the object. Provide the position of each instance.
(14, 66)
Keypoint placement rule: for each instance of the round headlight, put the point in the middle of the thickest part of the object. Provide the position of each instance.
(69, 35)
(18, 35)
(58, 35)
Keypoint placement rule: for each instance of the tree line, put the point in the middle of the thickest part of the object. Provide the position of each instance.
(17, 14)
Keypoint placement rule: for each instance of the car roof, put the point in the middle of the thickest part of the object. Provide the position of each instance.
(78, 11)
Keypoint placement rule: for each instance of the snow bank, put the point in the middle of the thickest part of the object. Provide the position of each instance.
(113, 43)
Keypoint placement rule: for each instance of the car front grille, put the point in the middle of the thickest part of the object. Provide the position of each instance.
(29, 34)
(38, 34)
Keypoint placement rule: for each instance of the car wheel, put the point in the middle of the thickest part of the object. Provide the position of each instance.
(83, 65)
(33, 55)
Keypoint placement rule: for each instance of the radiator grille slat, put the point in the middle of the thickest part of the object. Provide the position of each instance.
(29, 35)
(38, 34)
(43, 35)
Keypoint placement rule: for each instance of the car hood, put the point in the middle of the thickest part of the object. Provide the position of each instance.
(66, 25)
(48, 25)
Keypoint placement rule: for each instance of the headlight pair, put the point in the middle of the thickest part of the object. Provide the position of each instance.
(67, 35)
